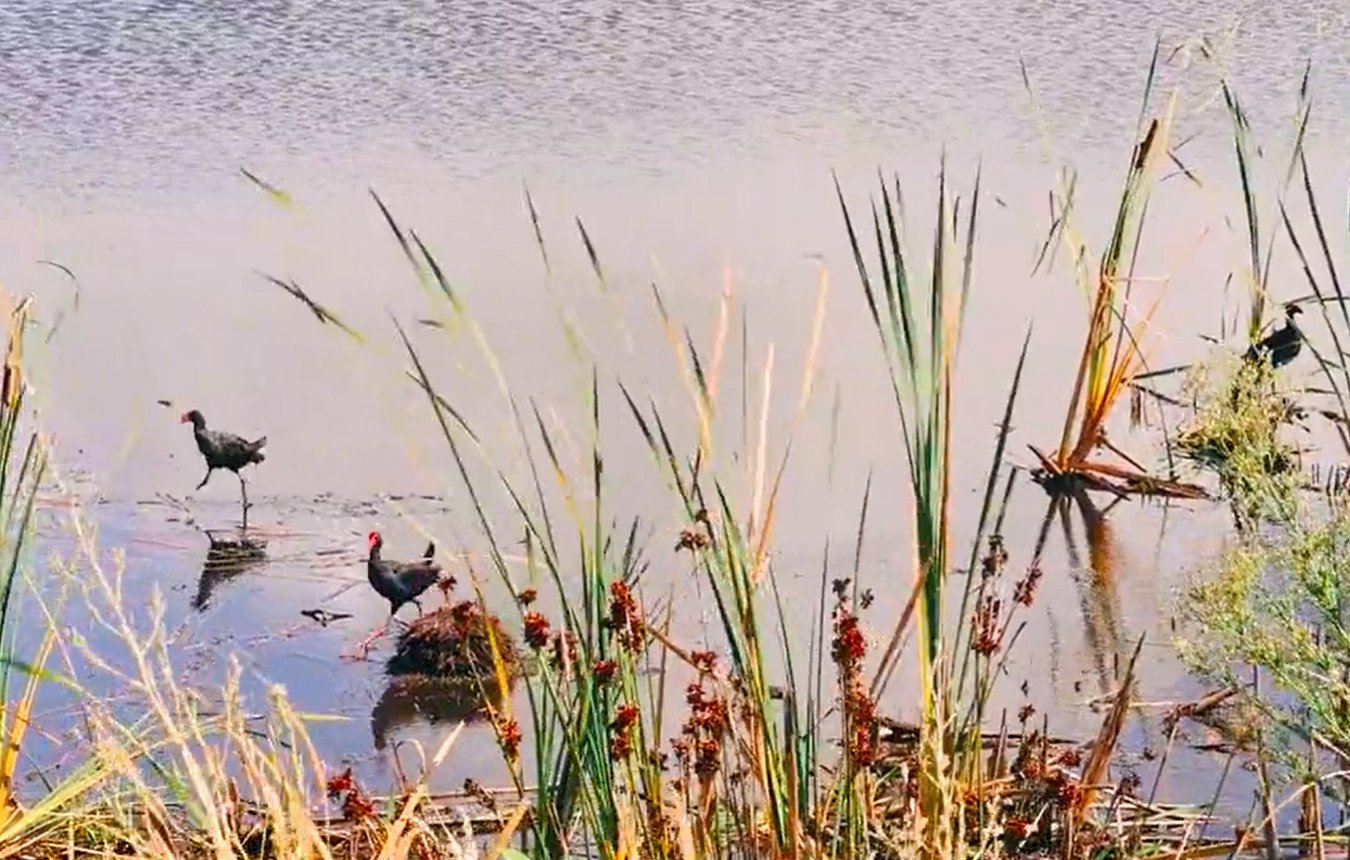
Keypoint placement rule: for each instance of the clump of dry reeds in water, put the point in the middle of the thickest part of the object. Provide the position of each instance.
(461, 641)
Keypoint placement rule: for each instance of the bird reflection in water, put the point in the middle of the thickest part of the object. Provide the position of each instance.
(413, 699)
(226, 558)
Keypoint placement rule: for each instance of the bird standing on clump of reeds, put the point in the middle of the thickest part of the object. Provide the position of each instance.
(223, 450)
(1283, 344)
(399, 582)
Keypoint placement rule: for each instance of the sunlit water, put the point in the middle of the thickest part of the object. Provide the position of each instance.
(696, 142)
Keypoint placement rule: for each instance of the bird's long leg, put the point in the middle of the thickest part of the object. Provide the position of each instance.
(243, 494)
(209, 470)
(376, 634)
(362, 649)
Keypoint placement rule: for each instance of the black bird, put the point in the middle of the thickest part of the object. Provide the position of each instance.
(1282, 344)
(224, 451)
(399, 582)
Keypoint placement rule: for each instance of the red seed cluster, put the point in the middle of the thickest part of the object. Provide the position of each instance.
(706, 712)
(694, 539)
(509, 737)
(849, 645)
(708, 759)
(621, 731)
(355, 805)
(699, 746)
(988, 630)
(604, 671)
(704, 661)
(691, 540)
(1025, 591)
(536, 630)
(464, 614)
(624, 618)
(849, 648)
(561, 644)
(340, 783)
(527, 596)
(624, 718)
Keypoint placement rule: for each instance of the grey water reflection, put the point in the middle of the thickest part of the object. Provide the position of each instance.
(418, 699)
(227, 558)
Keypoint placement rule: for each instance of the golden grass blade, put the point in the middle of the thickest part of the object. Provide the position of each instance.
(22, 825)
(508, 830)
(702, 406)
(321, 313)
(1111, 353)
(1094, 770)
(761, 448)
(807, 386)
(277, 195)
(396, 842)
(720, 339)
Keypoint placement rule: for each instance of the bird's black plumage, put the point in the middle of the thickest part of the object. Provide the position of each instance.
(1283, 344)
(223, 450)
(400, 582)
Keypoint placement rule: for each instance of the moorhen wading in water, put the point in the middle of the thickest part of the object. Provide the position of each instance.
(399, 582)
(223, 450)
(1282, 344)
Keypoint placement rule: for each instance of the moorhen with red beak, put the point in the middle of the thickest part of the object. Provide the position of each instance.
(223, 450)
(399, 582)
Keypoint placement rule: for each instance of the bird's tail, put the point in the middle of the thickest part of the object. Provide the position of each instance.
(257, 455)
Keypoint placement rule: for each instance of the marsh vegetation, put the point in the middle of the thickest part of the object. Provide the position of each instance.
(767, 737)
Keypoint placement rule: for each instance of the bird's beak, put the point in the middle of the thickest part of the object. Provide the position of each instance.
(183, 419)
